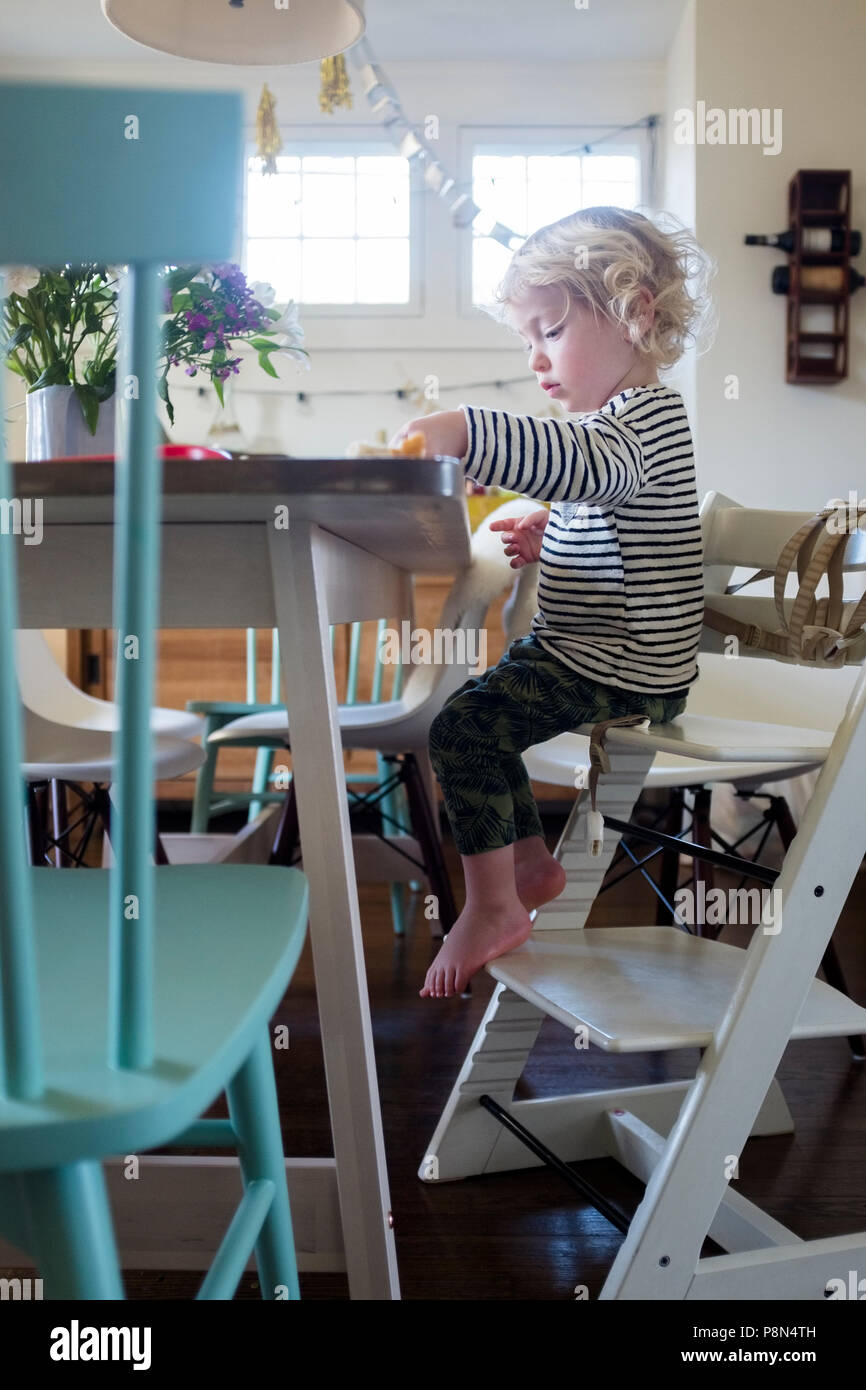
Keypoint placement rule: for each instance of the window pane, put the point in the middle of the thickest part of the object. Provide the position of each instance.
(616, 195)
(499, 187)
(328, 272)
(383, 204)
(489, 262)
(616, 168)
(278, 262)
(328, 205)
(328, 164)
(383, 272)
(382, 164)
(273, 204)
(554, 189)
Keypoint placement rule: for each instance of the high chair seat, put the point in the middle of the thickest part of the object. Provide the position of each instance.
(555, 761)
(215, 987)
(648, 989)
(716, 739)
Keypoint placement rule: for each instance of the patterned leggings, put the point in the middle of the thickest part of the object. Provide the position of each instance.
(479, 734)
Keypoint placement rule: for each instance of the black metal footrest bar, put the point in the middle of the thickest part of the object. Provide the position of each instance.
(586, 1189)
(734, 862)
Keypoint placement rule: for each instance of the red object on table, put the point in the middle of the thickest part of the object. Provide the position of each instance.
(167, 451)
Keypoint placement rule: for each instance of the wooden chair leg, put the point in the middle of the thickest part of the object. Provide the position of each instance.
(669, 875)
(102, 805)
(288, 830)
(701, 870)
(35, 825)
(830, 963)
(59, 817)
(429, 841)
(72, 1232)
(252, 1099)
(204, 779)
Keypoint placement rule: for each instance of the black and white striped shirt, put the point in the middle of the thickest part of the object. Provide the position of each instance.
(620, 589)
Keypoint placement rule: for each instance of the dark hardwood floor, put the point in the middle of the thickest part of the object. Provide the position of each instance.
(526, 1235)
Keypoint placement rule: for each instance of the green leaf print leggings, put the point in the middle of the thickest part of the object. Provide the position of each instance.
(479, 734)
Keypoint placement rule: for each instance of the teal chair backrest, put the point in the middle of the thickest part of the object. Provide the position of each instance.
(142, 178)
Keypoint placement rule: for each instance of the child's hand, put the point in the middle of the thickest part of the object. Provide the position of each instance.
(445, 432)
(523, 536)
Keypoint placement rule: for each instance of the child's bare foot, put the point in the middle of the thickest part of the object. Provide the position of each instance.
(478, 935)
(540, 877)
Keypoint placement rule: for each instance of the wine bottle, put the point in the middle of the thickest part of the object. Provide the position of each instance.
(832, 279)
(814, 240)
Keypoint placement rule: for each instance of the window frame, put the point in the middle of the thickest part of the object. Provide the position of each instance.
(355, 141)
(522, 140)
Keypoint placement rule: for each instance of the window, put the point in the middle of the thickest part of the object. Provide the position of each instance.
(527, 190)
(332, 228)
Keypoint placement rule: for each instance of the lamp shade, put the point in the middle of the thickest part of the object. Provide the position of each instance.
(252, 31)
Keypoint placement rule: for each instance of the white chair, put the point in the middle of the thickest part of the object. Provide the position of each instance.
(400, 729)
(791, 695)
(651, 988)
(47, 690)
(68, 746)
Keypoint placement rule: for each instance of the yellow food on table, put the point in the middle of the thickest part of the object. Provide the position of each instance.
(413, 446)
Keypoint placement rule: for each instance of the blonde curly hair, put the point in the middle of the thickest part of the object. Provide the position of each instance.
(604, 256)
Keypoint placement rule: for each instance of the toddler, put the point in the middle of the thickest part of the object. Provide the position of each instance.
(601, 304)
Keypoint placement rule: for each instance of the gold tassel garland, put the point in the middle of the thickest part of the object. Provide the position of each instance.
(334, 90)
(268, 139)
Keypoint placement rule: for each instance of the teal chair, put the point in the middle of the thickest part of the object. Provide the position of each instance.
(133, 996)
(388, 798)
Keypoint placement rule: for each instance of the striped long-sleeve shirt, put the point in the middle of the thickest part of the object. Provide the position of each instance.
(620, 589)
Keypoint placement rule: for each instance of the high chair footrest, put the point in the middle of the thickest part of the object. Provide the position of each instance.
(649, 989)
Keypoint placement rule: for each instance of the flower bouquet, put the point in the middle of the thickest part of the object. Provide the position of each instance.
(59, 328)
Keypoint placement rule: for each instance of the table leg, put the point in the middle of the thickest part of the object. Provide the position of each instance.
(301, 577)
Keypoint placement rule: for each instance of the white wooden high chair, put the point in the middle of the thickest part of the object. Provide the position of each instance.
(659, 988)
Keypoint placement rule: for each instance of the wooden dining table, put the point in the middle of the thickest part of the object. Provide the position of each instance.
(298, 544)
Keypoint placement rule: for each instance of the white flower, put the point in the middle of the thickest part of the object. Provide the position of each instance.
(288, 323)
(263, 292)
(21, 279)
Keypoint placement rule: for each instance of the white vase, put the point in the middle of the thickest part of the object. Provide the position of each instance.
(56, 427)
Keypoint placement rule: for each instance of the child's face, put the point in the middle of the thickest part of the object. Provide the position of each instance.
(585, 359)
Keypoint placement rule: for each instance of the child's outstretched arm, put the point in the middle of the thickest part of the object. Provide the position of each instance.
(596, 459)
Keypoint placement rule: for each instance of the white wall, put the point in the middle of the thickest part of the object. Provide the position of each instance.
(779, 444)
(378, 352)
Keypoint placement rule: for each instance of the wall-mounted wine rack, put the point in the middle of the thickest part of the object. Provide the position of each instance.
(818, 279)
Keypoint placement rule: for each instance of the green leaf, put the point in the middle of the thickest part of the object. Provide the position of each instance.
(21, 334)
(267, 365)
(162, 388)
(263, 344)
(89, 403)
(179, 279)
(54, 375)
(218, 387)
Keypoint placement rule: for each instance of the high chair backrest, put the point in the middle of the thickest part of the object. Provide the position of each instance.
(821, 630)
(125, 177)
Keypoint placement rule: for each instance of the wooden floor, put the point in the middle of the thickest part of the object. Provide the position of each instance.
(527, 1235)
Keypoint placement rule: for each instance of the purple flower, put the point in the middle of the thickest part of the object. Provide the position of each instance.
(231, 311)
(198, 321)
(209, 341)
(191, 371)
